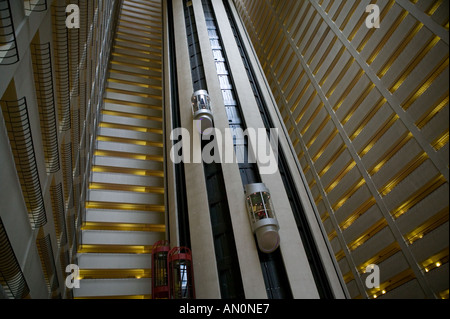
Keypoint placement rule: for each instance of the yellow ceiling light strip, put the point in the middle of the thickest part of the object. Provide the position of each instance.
(154, 10)
(138, 36)
(444, 294)
(134, 57)
(348, 277)
(296, 14)
(358, 25)
(139, 84)
(137, 10)
(394, 149)
(312, 36)
(332, 235)
(378, 134)
(339, 255)
(318, 198)
(349, 193)
(319, 44)
(132, 17)
(387, 36)
(340, 77)
(331, 161)
(297, 82)
(366, 119)
(318, 130)
(369, 233)
(348, 115)
(126, 170)
(401, 46)
(347, 91)
(131, 128)
(275, 48)
(311, 19)
(426, 83)
(394, 282)
(125, 206)
(431, 224)
(419, 195)
(413, 64)
(144, 157)
(114, 249)
(128, 41)
(434, 7)
(440, 141)
(306, 168)
(286, 57)
(349, 16)
(358, 212)
(114, 273)
(297, 101)
(139, 49)
(293, 20)
(332, 65)
(291, 129)
(325, 144)
(403, 173)
(126, 187)
(338, 11)
(123, 227)
(128, 92)
(122, 46)
(380, 256)
(132, 115)
(311, 119)
(146, 76)
(306, 107)
(324, 216)
(312, 183)
(335, 181)
(300, 154)
(137, 66)
(435, 260)
(325, 55)
(433, 111)
(135, 104)
(133, 28)
(129, 141)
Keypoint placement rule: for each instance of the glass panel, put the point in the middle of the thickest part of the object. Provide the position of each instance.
(182, 280)
(268, 203)
(200, 101)
(161, 270)
(257, 207)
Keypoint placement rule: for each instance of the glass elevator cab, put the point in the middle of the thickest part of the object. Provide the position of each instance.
(262, 217)
(201, 106)
(181, 273)
(160, 278)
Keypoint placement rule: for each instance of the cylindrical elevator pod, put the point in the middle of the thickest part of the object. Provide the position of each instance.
(160, 277)
(262, 217)
(181, 273)
(201, 106)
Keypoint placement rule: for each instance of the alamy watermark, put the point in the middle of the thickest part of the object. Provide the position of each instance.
(373, 19)
(373, 279)
(73, 19)
(234, 146)
(73, 279)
